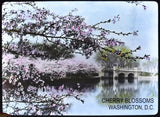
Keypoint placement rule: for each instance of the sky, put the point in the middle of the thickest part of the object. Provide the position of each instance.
(132, 18)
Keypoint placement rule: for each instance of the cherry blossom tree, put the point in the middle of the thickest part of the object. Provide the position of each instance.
(23, 73)
(70, 30)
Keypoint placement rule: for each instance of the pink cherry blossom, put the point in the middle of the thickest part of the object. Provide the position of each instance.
(4, 82)
(39, 112)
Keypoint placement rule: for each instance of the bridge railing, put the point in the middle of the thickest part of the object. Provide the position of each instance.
(126, 69)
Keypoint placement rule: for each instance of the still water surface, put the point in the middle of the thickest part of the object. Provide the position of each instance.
(102, 97)
(142, 95)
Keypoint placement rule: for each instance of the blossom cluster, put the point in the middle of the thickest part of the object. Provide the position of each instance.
(71, 29)
(113, 42)
(25, 48)
(57, 69)
(25, 77)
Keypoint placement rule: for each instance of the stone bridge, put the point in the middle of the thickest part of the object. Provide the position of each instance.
(121, 73)
(125, 73)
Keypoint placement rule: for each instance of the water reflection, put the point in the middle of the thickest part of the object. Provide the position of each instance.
(93, 91)
(116, 89)
(112, 88)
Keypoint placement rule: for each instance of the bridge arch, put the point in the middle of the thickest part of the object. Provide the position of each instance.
(121, 77)
(131, 77)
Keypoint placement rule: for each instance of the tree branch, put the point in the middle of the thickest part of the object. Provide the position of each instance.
(118, 33)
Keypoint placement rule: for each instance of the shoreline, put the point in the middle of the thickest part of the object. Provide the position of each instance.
(155, 78)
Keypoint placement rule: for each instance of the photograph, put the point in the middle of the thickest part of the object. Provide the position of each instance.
(79, 58)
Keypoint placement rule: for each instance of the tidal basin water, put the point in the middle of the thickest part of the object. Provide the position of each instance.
(137, 98)
(109, 97)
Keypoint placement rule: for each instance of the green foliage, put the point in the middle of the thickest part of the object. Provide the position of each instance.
(108, 57)
(156, 74)
(145, 74)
